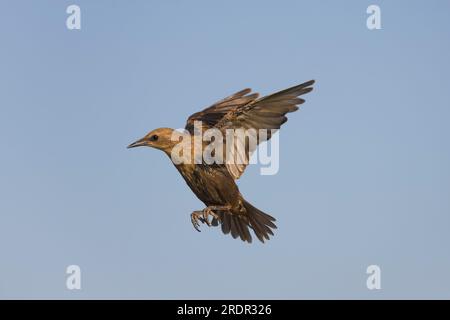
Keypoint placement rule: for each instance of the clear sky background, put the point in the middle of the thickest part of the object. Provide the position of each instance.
(364, 167)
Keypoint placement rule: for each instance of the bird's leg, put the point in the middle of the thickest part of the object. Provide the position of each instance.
(203, 215)
(209, 211)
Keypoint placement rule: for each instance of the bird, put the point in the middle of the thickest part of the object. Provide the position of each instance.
(215, 184)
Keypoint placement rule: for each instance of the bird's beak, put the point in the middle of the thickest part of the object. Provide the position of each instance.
(139, 143)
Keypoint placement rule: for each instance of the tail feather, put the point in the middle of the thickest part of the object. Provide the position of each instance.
(233, 228)
(238, 224)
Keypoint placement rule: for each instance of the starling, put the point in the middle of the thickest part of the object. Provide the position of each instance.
(214, 184)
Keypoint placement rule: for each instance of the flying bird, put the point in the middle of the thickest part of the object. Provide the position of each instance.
(214, 184)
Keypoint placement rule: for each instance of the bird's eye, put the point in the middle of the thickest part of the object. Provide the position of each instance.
(154, 137)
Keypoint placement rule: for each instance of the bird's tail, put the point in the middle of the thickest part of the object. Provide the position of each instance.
(239, 224)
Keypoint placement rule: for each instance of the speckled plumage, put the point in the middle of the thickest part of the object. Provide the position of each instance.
(214, 184)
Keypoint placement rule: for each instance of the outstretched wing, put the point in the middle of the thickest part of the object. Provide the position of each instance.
(212, 115)
(243, 110)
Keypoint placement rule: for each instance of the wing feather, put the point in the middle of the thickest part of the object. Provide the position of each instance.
(244, 110)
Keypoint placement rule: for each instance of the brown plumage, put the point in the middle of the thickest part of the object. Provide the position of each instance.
(214, 184)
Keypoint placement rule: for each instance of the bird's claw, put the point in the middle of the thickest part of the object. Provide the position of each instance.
(208, 212)
(195, 217)
(202, 216)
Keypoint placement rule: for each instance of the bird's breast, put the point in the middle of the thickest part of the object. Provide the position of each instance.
(212, 185)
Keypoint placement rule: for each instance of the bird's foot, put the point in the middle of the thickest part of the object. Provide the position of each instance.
(208, 212)
(197, 216)
(203, 216)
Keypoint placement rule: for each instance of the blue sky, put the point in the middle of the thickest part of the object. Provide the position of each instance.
(364, 165)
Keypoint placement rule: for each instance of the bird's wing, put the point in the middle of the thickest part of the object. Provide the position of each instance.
(212, 115)
(243, 110)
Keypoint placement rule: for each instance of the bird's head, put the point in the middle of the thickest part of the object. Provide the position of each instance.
(159, 138)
